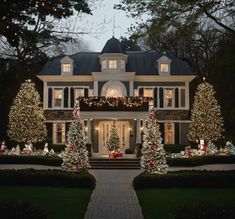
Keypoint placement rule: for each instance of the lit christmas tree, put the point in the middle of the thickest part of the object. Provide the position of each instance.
(153, 158)
(26, 119)
(206, 121)
(75, 157)
(113, 143)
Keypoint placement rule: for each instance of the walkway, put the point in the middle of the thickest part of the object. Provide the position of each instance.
(114, 196)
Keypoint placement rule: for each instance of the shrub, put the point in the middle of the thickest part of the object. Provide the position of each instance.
(204, 210)
(128, 151)
(31, 177)
(21, 210)
(57, 147)
(186, 179)
(43, 160)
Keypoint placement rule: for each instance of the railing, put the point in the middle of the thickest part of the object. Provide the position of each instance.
(114, 103)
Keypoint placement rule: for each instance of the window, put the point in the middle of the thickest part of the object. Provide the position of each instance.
(104, 64)
(168, 97)
(123, 65)
(57, 97)
(136, 92)
(91, 92)
(66, 68)
(114, 91)
(164, 68)
(148, 92)
(59, 133)
(79, 92)
(169, 133)
(112, 64)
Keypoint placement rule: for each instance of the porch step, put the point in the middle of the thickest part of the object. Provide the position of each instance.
(117, 163)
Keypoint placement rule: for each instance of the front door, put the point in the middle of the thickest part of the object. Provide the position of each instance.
(104, 133)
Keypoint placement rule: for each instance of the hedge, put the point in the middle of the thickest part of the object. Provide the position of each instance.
(21, 210)
(186, 179)
(31, 177)
(43, 160)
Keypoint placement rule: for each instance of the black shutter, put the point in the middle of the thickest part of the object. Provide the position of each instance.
(177, 133)
(162, 130)
(49, 97)
(86, 92)
(161, 97)
(176, 98)
(66, 97)
(72, 97)
(141, 92)
(155, 97)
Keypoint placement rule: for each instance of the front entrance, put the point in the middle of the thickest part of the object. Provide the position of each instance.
(104, 133)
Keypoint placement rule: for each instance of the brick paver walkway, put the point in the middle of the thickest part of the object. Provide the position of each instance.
(114, 196)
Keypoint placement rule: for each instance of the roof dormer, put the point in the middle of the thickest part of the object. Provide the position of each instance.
(66, 66)
(164, 65)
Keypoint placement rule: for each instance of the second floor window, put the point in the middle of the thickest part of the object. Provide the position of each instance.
(112, 64)
(148, 92)
(168, 97)
(79, 92)
(57, 97)
(66, 68)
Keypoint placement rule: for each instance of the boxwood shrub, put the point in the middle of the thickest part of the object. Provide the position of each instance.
(43, 160)
(186, 179)
(21, 210)
(31, 177)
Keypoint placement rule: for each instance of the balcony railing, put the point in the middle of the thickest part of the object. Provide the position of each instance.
(114, 103)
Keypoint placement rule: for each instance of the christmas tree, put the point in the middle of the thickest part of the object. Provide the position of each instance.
(113, 143)
(153, 158)
(206, 121)
(75, 158)
(26, 119)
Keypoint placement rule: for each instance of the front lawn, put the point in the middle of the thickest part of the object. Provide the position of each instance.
(60, 203)
(164, 203)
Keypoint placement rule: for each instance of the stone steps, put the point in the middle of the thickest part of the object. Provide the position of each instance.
(117, 163)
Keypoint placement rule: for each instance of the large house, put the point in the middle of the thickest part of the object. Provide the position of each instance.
(117, 85)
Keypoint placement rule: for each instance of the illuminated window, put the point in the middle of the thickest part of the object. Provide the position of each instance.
(169, 133)
(104, 64)
(136, 92)
(112, 64)
(59, 133)
(79, 92)
(91, 92)
(148, 92)
(66, 68)
(164, 67)
(57, 97)
(168, 97)
(114, 91)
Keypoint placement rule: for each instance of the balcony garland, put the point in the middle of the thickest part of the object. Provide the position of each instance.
(115, 101)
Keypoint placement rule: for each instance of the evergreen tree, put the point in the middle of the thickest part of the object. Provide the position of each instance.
(206, 121)
(113, 143)
(26, 119)
(153, 158)
(75, 157)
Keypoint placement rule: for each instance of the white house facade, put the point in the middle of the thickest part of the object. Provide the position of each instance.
(117, 85)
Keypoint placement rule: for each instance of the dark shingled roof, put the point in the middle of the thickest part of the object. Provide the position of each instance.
(112, 46)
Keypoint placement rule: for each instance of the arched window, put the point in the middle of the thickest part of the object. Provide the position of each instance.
(114, 89)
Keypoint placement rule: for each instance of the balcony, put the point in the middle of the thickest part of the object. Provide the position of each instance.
(114, 103)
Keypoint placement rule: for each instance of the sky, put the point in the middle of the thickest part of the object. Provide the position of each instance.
(105, 22)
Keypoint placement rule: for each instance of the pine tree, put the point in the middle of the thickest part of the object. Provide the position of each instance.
(75, 157)
(26, 119)
(113, 143)
(206, 121)
(153, 158)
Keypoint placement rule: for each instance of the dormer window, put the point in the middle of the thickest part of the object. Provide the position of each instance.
(66, 66)
(112, 64)
(164, 64)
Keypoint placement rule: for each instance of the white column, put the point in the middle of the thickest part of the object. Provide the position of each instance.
(131, 89)
(96, 88)
(45, 95)
(89, 131)
(138, 132)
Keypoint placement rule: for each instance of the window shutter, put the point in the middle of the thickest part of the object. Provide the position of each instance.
(49, 132)
(72, 97)
(182, 97)
(86, 91)
(155, 96)
(162, 130)
(161, 97)
(49, 97)
(66, 97)
(141, 92)
(176, 98)
(177, 133)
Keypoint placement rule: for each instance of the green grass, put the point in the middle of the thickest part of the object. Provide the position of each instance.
(60, 203)
(163, 203)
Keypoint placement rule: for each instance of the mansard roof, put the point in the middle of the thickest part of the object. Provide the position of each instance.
(112, 46)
